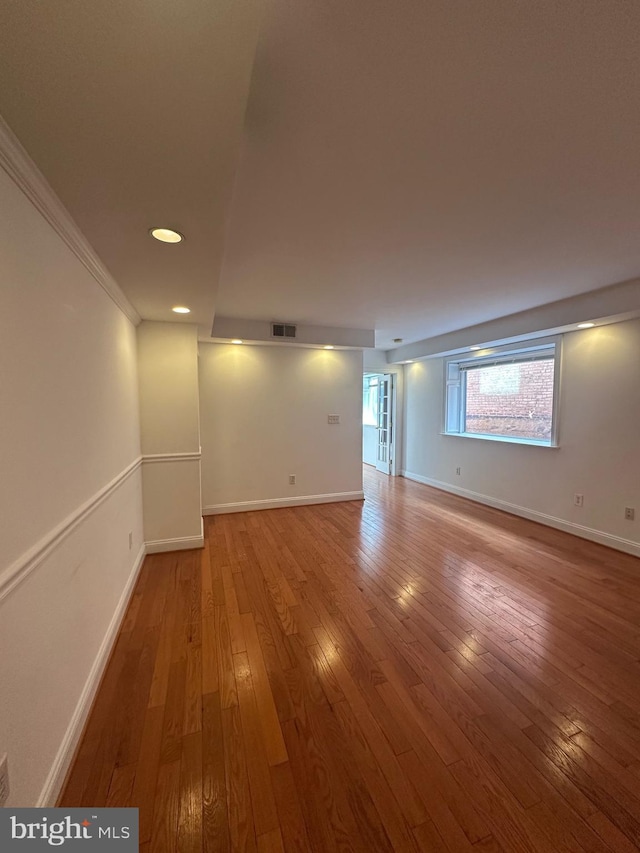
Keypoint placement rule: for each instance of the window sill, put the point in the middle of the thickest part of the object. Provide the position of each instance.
(504, 439)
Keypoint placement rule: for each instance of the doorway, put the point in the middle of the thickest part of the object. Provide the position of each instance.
(378, 421)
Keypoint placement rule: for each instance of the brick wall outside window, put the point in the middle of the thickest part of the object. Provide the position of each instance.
(511, 399)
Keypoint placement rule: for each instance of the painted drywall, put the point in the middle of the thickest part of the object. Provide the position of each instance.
(599, 437)
(69, 429)
(264, 416)
(170, 434)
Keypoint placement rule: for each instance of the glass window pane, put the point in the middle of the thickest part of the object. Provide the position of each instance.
(512, 400)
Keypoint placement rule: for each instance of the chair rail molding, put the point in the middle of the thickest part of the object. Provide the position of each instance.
(31, 559)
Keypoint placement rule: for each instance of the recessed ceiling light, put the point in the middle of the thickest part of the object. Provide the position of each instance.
(585, 325)
(329, 346)
(181, 309)
(236, 341)
(408, 362)
(475, 347)
(166, 235)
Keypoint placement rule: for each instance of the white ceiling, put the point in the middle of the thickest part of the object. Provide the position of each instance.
(414, 166)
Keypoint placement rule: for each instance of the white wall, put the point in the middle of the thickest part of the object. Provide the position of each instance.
(70, 496)
(599, 434)
(264, 416)
(170, 435)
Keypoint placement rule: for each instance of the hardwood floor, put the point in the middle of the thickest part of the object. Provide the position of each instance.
(412, 673)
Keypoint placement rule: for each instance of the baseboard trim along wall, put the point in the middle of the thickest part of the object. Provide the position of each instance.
(24, 565)
(183, 543)
(275, 503)
(55, 780)
(593, 535)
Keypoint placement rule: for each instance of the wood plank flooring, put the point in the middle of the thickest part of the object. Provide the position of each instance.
(415, 672)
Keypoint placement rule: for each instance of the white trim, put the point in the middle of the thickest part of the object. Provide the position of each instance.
(171, 457)
(26, 175)
(182, 543)
(31, 559)
(505, 439)
(276, 503)
(608, 539)
(550, 347)
(64, 756)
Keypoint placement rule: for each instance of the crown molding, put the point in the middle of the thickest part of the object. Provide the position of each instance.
(25, 174)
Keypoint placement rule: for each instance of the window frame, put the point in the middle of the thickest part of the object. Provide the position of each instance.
(454, 403)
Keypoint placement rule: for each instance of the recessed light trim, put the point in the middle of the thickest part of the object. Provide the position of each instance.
(236, 341)
(181, 309)
(586, 325)
(166, 235)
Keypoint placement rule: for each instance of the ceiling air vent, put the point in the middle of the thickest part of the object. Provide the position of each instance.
(283, 330)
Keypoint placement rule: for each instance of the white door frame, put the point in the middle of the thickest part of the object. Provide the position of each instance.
(394, 466)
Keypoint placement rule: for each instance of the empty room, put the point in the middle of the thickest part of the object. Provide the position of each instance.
(320, 434)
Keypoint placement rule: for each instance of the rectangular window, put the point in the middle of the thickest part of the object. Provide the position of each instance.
(504, 394)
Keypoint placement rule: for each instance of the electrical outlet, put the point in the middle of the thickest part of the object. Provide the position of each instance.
(458, 471)
(130, 539)
(629, 513)
(578, 500)
(333, 419)
(4, 780)
(292, 479)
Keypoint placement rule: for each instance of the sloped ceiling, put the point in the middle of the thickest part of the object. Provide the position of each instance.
(413, 167)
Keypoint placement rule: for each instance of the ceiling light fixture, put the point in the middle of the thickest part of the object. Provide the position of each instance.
(329, 346)
(472, 348)
(236, 341)
(585, 325)
(181, 309)
(166, 235)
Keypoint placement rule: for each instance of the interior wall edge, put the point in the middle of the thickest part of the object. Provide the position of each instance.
(180, 543)
(627, 546)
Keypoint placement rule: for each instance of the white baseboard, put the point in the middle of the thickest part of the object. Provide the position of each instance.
(182, 543)
(590, 533)
(277, 503)
(55, 779)
(185, 543)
